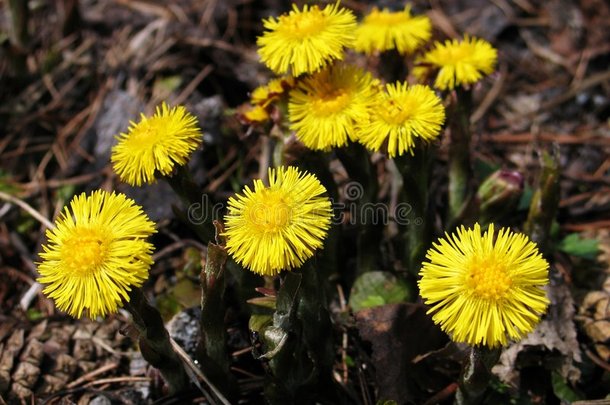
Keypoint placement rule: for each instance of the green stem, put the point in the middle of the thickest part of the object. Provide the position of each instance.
(19, 18)
(415, 171)
(195, 202)
(393, 66)
(356, 161)
(460, 171)
(19, 23)
(476, 375)
(329, 261)
(214, 354)
(154, 341)
(545, 200)
(70, 16)
(299, 343)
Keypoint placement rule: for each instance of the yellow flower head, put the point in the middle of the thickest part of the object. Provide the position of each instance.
(400, 115)
(255, 114)
(268, 93)
(278, 227)
(96, 253)
(305, 41)
(155, 144)
(458, 63)
(482, 290)
(326, 108)
(385, 30)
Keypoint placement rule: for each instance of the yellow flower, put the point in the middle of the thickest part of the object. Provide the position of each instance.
(482, 290)
(400, 115)
(155, 144)
(278, 227)
(326, 108)
(458, 63)
(305, 41)
(266, 94)
(385, 30)
(96, 253)
(256, 114)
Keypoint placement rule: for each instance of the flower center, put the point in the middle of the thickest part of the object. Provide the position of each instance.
(148, 134)
(396, 114)
(331, 103)
(457, 54)
(384, 18)
(488, 279)
(84, 251)
(305, 24)
(271, 213)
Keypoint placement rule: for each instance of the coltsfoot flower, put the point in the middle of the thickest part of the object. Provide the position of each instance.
(400, 115)
(255, 114)
(304, 41)
(384, 30)
(484, 290)
(457, 63)
(278, 227)
(155, 144)
(326, 108)
(96, 253)
(272, 91)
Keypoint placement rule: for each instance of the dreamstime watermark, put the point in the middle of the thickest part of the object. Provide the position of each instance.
(349, 211)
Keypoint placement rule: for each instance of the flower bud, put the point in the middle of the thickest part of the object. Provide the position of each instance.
(499, 194)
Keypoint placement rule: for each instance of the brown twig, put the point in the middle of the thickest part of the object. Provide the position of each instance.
(117, 380)
(528, 137)
(92, 374)
(27, 208)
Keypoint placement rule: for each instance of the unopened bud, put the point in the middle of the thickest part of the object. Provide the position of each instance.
(499, 194)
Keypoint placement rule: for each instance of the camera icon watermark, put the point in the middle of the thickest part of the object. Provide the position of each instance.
(350, 211)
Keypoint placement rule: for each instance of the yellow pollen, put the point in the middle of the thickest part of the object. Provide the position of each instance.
(330, 104)
(84, 251)
(396, 114)
(271, 213)
(146, 136)
(304, 25)
(488, 279)
(457, 54)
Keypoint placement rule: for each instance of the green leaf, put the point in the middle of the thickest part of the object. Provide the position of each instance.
(65, 193)
(259, 322)
(34, 314)
(483, 168)
(265, 302)
(574, 245)
(526, 198)
(562, 390)
(165, 86)
(376, 288)
(7, 184)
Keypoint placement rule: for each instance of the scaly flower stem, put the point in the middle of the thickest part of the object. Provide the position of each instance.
(545, 201)
(19, 22)
(154, 341)
(299, 347)
(460, 170)
(415, 171)
(476, 375)
(329, 259)
(392, 66)
(191, 196)
(19, 17)
(356, 161)
(214, 355)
